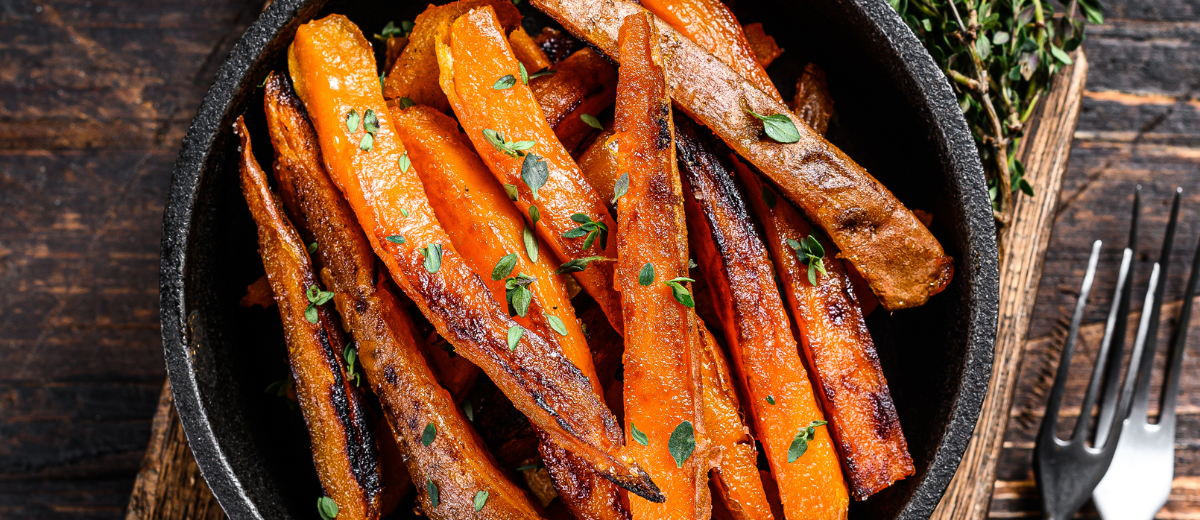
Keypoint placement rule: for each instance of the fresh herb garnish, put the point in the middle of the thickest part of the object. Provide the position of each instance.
(638, 435)
(511, 190)
(524, 73)
(316, 297)
(646, 276)
(681, 293)
(366, 143)
(682, 443)
(514, 335)
(405, 102)
(800, 443)
(481, 499)
(531, 244)
(327, 508)
(557, 324)
(428, 435)
(434, 498)
(768, 196)
(591, 121)
(621, 187)
(396, 239)
(504, 267)
(534, 214)
(778, 127)
(589, 228)
(404, 212)
(404, 163)
(391, 31)
(544, 71)
(811, 253)
(433, 257)
(468, 411)
(535, 172)
(351, 356)
(509, 148)
(352, 121)
(577, 265)
(312, 248)
(771, 399)
(505, 81)
(518, 295)
(371, 122)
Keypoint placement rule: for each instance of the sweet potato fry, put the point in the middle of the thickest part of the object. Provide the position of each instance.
(512, 137)
(902, 261)
(813, 103)
(333, 69)
(764, 46)
(487, 229)
(584, 83)
(735, 477)
(712, 26)
(343, 445)
(415, 73)
(528, 51)
(839, 350)
(735, 264)
(663, 409)
(456, 461)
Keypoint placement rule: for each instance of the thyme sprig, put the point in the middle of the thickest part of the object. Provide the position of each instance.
(999, 56)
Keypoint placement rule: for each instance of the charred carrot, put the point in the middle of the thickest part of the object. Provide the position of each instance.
(764, 46)
(813, 103)
(712, 26)
(454, 461)
(333, 69)
(663, 410)
(897, 255)
(584, 83)
(415, 73)
(735, 477)
(837, 345)
(512, 137)
(527, 51)
(485, 226)
(343, 446)
(734, 261)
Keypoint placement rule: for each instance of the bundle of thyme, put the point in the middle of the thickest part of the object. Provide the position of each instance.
(999, 56)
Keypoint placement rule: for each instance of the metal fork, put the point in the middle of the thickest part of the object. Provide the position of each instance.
(1138, 482)
(1068, 471)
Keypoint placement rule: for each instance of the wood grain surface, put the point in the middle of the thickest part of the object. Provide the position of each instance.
(95, 96)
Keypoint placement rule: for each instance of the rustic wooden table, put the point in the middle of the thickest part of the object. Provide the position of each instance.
(95, 96)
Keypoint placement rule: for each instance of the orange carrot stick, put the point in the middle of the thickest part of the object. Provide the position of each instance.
(415, 73)
(813, 103)
(839, 349)
(736, 477)
(487, 229)
(781, 400)
(764, 46)
(663, 407)
(333, 69)
(343, 445)
(455, 461)
(512, 137)
(712, 26)
(584, 83)
(528, 51)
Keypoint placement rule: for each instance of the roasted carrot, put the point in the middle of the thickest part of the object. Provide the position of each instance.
(343, 446)
(781, 401)
(333, 69)
(838, 348)
(813, 103)
(514, 140)
(713, 26)
(415, 73)
(584, 83)
(484, 225)
(764, 46)
(898, 256)
(663, 402)
(557, 44)
(598, 162)
(388, 346)
(527, 51)
(735, 477)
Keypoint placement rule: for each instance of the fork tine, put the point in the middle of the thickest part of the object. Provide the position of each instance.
(1046, 433)
(1113, 349)
(1135, 360)
(1141, 394)
(1175, 365)
(1117, 320)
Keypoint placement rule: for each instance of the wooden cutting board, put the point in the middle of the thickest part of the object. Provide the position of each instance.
(169, 485)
